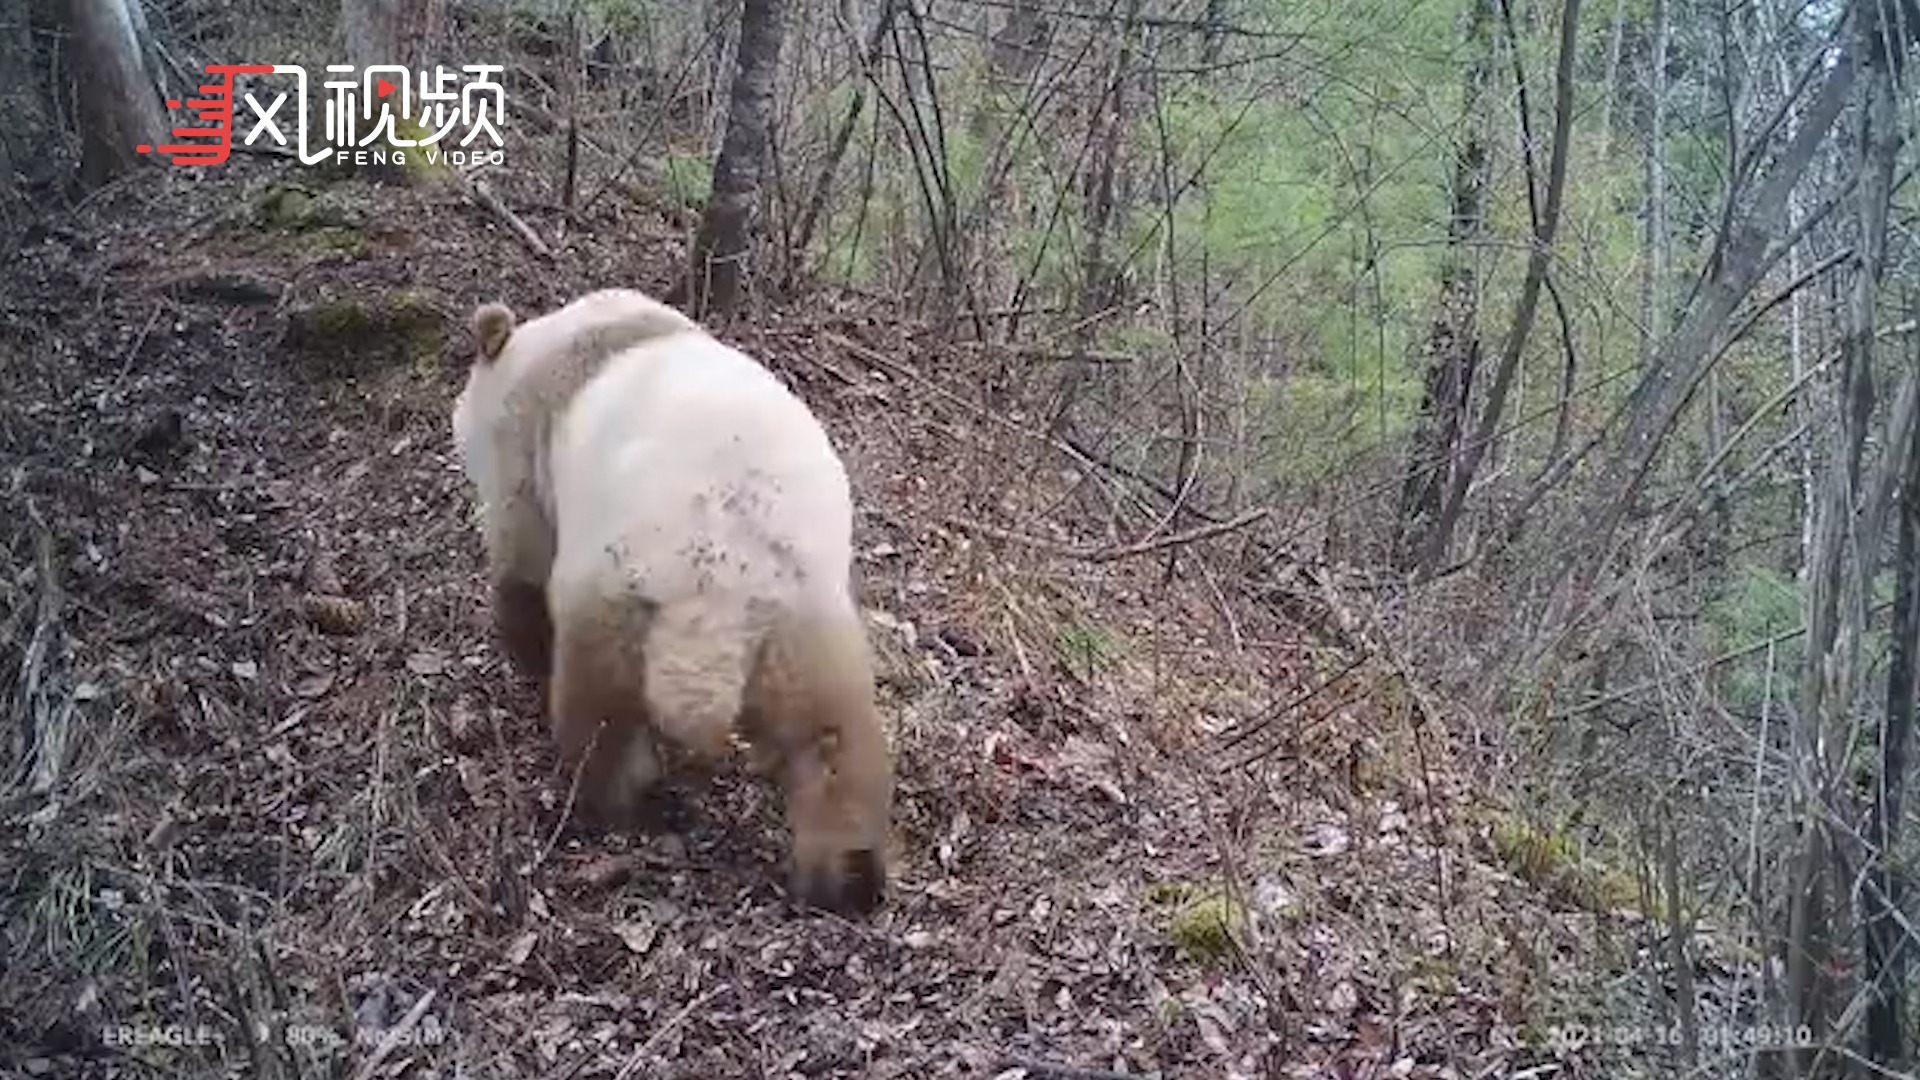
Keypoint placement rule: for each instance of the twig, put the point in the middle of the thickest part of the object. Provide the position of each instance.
(1244, 731)
(1113, 554)
(394, 1036)
(126, 361)
(1063, 356)
(1037, 1069)
(1701, 668)
(43, 725)
(660, 1033)
(566, 811)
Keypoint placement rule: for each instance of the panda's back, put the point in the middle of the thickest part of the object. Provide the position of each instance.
(686, 468)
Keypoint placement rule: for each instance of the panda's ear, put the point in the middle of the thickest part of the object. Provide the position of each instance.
(492, 324)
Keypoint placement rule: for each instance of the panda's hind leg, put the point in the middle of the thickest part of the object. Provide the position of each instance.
(598, 712)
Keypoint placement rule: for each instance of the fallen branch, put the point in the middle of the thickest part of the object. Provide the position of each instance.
(44, 714)
(395, 1036)
(1247, 729)
(1036, 1069)
(482, 194)
(666, 1028)
(1113, 554)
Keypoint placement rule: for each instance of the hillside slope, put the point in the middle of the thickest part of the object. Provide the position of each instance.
(302, 792)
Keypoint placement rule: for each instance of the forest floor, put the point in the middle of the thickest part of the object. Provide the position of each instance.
(291, 814)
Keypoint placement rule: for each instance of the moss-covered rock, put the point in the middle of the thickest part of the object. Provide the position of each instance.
(1204, 924)
(343, 338)
(298, 208)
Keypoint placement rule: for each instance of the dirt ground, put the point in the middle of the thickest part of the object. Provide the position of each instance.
(283, 809)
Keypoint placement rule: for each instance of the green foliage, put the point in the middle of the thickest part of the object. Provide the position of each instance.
(689, 179)
(1086, 649)
(1755, 604)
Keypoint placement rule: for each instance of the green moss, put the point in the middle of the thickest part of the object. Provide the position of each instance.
(346, 243)
(422, 169)
(1549, 862)
(344, 338)
(286, 207)
(295, 219)
(1205, 923)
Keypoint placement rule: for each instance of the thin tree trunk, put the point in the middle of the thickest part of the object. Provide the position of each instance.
(1216, 33)
(1545, 227)
(1014, 53)
(1845, 561)
(118, 106)
(1611, 90)
(1889, 950)
(1679, 932)
(717, 277)
(1453, 341)
(1653, 280)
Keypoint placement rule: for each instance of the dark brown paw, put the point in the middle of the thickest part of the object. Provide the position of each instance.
(857, 886)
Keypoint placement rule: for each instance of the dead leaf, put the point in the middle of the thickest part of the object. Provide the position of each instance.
(608, 871)
(1343, 998)
(1327, 838)
(522, 948)
(464, 726)
(637, 936)
(314, 686)
(245, 669)
(427, 663)
(957, 830)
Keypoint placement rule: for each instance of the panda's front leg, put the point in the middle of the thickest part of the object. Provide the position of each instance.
(524, 626)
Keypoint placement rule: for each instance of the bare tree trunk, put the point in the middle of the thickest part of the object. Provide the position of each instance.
(1889, 950)
(389, 31)
(1744, 254)
(1653, 279)
(715, 279)
(1546, 224)
(1844, 561)
(1453, 341)
(23, 100)
(118, 106)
